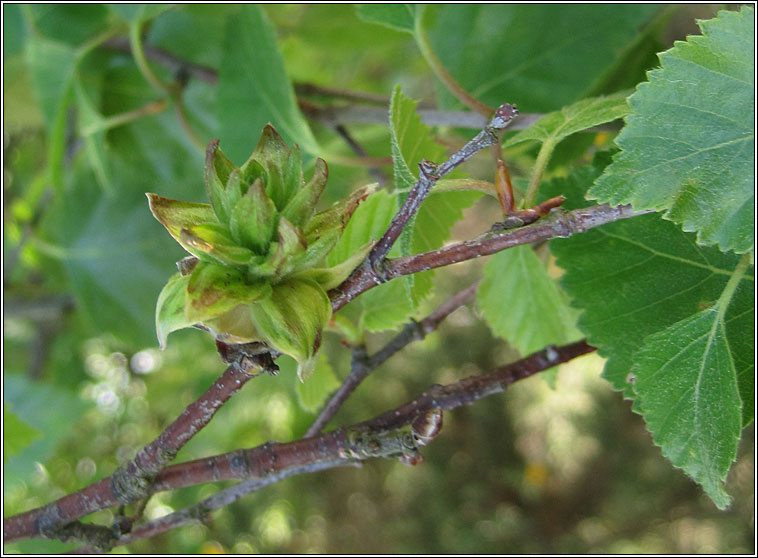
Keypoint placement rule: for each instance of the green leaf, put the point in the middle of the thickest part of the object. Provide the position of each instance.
(17, 434)
(215, 175)
(688, 147)
(51, 66)
(92, 127)
(368, 224)
(493, 51)
(253, 86)
(292, 320)
(177, 216)
(411, 141)
(50, 409)
(170, 312)
(522, 303)
(384, 306)
(574, 118)
(336, 217)
(331, 277)
(686, 389)
(215, 289)
(302, 205)
(138, 12)
(323, 381)
(69, 23)
(396, 16)
(254, 218)
(636, 277)
(214, 240)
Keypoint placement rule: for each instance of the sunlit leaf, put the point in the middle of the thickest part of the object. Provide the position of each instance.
(522, 303)
(686, 388)
(573, 118)
(639, 276)
(688, 148)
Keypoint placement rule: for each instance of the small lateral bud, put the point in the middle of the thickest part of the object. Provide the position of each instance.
(426, 427)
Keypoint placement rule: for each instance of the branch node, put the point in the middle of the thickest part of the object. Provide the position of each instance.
(130, 483)
(428, 169)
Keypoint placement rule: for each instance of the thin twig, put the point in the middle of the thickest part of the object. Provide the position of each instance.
(430, 172)
(559, 224)
(381, 436)
(131, 482)
(362, 365)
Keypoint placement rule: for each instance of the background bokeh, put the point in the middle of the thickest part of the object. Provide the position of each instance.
(562, 466)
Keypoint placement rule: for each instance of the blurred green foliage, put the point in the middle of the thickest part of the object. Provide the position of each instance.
(563, 469)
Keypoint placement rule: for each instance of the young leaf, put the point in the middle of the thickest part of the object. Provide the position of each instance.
(574, 118)
(686, 389)
(522, 303)
(253, 219)
(216, 174)
(331, 277)
(17, 434)
(303, 204)
(177, 216)
(215, 289)
(169, 310)
(688, 146)
(214, 240)
(254, 87)
(292, 319)
(320, 385)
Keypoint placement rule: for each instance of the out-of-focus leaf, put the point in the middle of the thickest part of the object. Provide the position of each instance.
(14, 31)
(177, 31)
(494, 53)
(254, 88)
(49, 409)
(51, 66)
(73, 24)
(323, 381)
(522, 303)
(688, 147)
(397, 16)
(138, 12)
(17, 434)
(92, 129)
